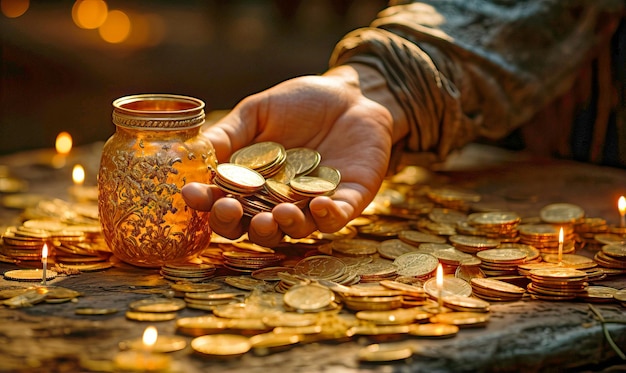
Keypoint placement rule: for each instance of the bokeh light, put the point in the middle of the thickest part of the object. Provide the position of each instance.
(116, 28)
(63, 143)
(89, 14)
(14, 8)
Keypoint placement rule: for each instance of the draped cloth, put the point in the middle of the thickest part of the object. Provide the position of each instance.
(468, 69)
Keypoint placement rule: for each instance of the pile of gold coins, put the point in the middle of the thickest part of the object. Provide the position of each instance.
(264, 174)
(71, 232)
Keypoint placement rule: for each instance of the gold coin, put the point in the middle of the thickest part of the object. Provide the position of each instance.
(615, 250)
(273, 340)
(156, 305)
(463, 303)
(620, 295)
(221, 345)
(258, 156)
(384, 353)
(598, 294)
(27, 299)
(195, 288)
(497, 286)
(240, 176)
(561, 213)
(201, 325)
(388, 317)
(558, 273)
(502, 255)
(327, 173)
(308, 297)
(461, 319)
(355, 246)
(434, 330)
(571, 260)
(451, 286)
(393, 248)
(305, 160)
(290, 319)
(312, 186)
(417, 237)
(28, 275)
(95, 311)
(493, 218)
(320, 267)
(415, 264)
(150, 316)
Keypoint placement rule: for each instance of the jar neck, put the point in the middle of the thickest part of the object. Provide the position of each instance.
(158, 112)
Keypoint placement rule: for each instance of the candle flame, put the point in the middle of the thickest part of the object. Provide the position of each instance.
(63, 143)
(44, 251)
(150, 336)
(561, 235)
(439, 276)
(78, 174)
(621, 205)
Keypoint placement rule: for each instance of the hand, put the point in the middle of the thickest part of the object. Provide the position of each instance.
(328, 113)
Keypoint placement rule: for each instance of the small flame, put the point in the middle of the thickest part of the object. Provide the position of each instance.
(561, 235)
(439, 276)
(150, 336)
(621, 205)
(63, 143)
(78, 174)
(44, 252)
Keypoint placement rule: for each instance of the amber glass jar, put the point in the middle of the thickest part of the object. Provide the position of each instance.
(156, 149)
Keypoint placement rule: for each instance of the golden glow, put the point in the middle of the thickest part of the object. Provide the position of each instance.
(561, 235)
(89, 14)
(439, 277)
(63, 143)
(14, 8)
(78, 174)
(150, 336)
(621, 205)
(44, 252)
(116, 28)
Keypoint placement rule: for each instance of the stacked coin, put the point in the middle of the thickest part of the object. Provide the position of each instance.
(473, 244)
(456, 199)
(187, 272)
(376, 270)
(545, 237)
(501, 262)
(496, 290)
(411, 295)
(247, 262)
(321, 267)
(499, 225)
(571, 261)
(451, 286)
(354, 247)
(587, 228)
(293, 176)
(612, 256)
(208, 301)
(465, 304)
(394, 247)
(155, 309)
(557, 283)
(309, 298)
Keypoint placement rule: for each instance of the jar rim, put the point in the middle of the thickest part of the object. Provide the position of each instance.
(158, 110)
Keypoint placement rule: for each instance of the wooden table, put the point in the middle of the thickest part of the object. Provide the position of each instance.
(527, 335)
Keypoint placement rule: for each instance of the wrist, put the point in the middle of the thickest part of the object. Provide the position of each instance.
(373, 86)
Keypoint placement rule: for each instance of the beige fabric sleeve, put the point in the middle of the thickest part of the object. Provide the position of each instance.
(467, 69)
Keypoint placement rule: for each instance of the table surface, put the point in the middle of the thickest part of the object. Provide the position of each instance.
(527, 335)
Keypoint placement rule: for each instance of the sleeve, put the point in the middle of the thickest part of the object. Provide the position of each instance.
(465, 69)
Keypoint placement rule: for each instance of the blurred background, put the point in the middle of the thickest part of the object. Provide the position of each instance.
(63, 62)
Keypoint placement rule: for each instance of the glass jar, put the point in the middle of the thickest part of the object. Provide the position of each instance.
(156, 149)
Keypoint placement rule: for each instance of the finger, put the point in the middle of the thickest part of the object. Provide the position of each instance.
(329, 215)
(201, 196)
(293, 221)
(226, 218)
(264, 230)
